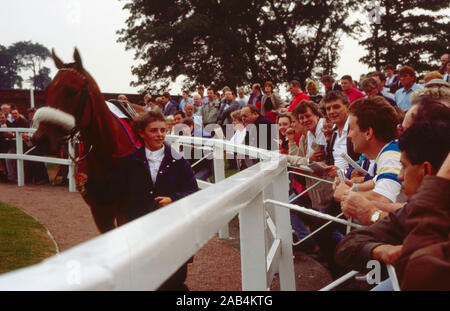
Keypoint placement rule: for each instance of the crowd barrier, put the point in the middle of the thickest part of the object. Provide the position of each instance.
(142, 254)
(20, 156)
(390, 269)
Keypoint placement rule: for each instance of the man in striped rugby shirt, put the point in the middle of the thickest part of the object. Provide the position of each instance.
(372, 129)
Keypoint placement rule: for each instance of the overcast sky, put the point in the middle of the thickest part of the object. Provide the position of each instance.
(91, 26)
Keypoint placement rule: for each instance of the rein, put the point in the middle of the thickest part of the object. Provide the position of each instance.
(76, 139)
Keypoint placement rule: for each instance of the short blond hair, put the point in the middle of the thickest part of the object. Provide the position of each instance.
(236, 115)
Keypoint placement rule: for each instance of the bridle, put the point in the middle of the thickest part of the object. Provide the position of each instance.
(76, 139)
(75, 132)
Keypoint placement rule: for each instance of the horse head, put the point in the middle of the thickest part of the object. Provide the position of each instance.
(69, 106)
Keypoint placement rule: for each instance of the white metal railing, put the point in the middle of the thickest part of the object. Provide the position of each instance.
(142, 254)
(349, 223)
(20, 156)
(353, 273)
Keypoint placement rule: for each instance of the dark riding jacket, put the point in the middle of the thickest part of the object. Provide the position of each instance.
(131, 184)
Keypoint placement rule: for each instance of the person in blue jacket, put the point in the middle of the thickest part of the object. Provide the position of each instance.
(150, 178)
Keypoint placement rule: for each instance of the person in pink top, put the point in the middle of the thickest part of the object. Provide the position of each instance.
(297, 94)
(348, 89)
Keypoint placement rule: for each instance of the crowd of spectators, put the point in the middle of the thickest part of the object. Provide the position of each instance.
(35, 172)
(393, 126)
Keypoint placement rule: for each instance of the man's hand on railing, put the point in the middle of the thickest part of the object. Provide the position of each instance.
(354, 205)
(356, 177)
(340, 190)
(331, 170)
(387, 253)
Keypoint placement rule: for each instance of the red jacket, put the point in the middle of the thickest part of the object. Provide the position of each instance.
(300, 96)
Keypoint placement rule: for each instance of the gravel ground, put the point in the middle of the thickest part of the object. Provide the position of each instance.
(216, 266)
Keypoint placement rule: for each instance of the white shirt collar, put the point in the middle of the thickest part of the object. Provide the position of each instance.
(318, 128)
(155, 155)
(344, 130)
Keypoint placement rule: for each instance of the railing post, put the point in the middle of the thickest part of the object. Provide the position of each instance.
(31, 98)
(253, 249)
(19, 151)
(278, 190)
(219, 174)
(72, 185)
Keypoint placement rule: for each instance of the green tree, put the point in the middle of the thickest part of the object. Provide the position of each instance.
(9, 68)
(414, 33)
(233, 42)
(31, 56)
(42, 79)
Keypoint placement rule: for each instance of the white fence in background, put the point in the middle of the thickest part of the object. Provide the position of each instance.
(142, 254)
(20, 156)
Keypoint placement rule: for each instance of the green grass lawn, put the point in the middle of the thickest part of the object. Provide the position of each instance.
(23, 241)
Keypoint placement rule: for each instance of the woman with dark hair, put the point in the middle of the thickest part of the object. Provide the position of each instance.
(148, 179)
(154, 166)
(392, 82)
(270, 102)
(284, 123)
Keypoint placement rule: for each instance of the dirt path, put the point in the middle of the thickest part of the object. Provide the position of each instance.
(69, 220)
(216, 266)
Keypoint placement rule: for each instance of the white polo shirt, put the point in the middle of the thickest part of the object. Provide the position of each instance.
(340, 146)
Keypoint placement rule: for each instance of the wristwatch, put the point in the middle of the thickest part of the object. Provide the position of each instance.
(375, 216)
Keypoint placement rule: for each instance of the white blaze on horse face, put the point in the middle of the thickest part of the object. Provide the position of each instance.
(154, 135)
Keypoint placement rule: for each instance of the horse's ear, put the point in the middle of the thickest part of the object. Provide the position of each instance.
(58, 62)
(77, 58)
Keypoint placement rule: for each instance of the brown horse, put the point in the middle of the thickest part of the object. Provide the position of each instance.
(76, 105)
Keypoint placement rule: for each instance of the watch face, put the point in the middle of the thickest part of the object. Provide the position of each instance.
(375, 217)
